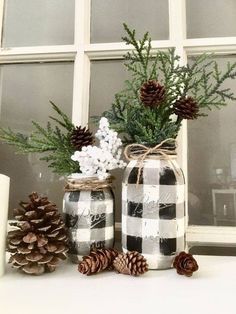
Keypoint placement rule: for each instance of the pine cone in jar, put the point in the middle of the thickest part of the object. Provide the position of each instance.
(185, 264)
(152, 93)
(186, 108)
(81, 137)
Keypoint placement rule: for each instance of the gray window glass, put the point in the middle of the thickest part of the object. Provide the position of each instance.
(38, 23)
(25, 93)
(211, 18)
(107, 17)
(212, 163)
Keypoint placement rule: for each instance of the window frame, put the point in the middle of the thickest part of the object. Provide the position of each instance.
(82, 52)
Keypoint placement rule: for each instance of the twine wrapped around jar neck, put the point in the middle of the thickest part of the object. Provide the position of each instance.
(140, 152)
(87, 184)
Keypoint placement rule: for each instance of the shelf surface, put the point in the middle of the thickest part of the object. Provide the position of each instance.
(66, 291)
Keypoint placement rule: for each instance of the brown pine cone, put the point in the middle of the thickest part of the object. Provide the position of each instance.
(81, 137)
(131, 263)
(40, 240)
(185, 264)
(97, 261)
(152, 93)
(186, 108)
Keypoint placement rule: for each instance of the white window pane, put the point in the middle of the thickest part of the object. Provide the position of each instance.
(211, 18)
(107, 78)
(25, 93)
(107, 17)
(212, 163)
(38, 22)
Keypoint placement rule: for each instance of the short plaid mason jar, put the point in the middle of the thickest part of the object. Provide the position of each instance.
(153, 210)
(89, 217)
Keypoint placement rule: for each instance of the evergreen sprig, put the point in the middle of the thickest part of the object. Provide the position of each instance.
(52, 141)
(201, 80)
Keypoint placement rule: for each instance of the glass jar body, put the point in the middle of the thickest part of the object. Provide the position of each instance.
(153, 210)
(89, 217)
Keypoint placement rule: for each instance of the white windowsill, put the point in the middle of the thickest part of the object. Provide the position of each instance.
(210, 290)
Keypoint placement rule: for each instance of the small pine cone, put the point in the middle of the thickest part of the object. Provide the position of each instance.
(81, 137)
(185, 264)
(186, 108)
(40, 239)
(131, 263)
(97, 261)
(152, 93)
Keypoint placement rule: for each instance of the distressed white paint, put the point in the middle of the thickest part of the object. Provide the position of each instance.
(109, 232)
(206, 235)
(173, 228)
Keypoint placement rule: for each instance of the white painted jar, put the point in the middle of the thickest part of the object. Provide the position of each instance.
(89, 217)
(153, 211)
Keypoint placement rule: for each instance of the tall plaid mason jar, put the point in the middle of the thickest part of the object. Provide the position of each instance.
(153, 210)
(89, 217)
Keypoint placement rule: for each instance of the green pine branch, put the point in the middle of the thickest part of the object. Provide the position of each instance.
(202, 79)
(53, 142)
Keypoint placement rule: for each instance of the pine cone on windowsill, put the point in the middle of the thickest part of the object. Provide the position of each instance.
(40, 241)
(131, 263)
(185, 264)
(97, 261)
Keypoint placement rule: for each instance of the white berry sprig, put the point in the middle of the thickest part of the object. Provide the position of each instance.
(98, 160)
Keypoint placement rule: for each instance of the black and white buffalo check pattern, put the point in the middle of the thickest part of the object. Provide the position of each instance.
(89, 216)
(153, 211)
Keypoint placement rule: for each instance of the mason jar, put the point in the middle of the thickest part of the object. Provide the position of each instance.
(89, 217)
(153, 210)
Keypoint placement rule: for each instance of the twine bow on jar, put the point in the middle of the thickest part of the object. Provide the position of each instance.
(85, 184)
(140, 152)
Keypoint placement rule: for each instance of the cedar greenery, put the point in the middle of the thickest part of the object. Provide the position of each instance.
(202, 80)
(53, 142)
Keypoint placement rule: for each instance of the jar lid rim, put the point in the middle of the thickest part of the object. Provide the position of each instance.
(84, 176)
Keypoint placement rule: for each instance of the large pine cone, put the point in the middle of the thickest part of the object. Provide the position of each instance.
(97, 261)
(81, 137)
(152, 93)
(186, 108)
(40, 240)
(185, 264)
(131, 263)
